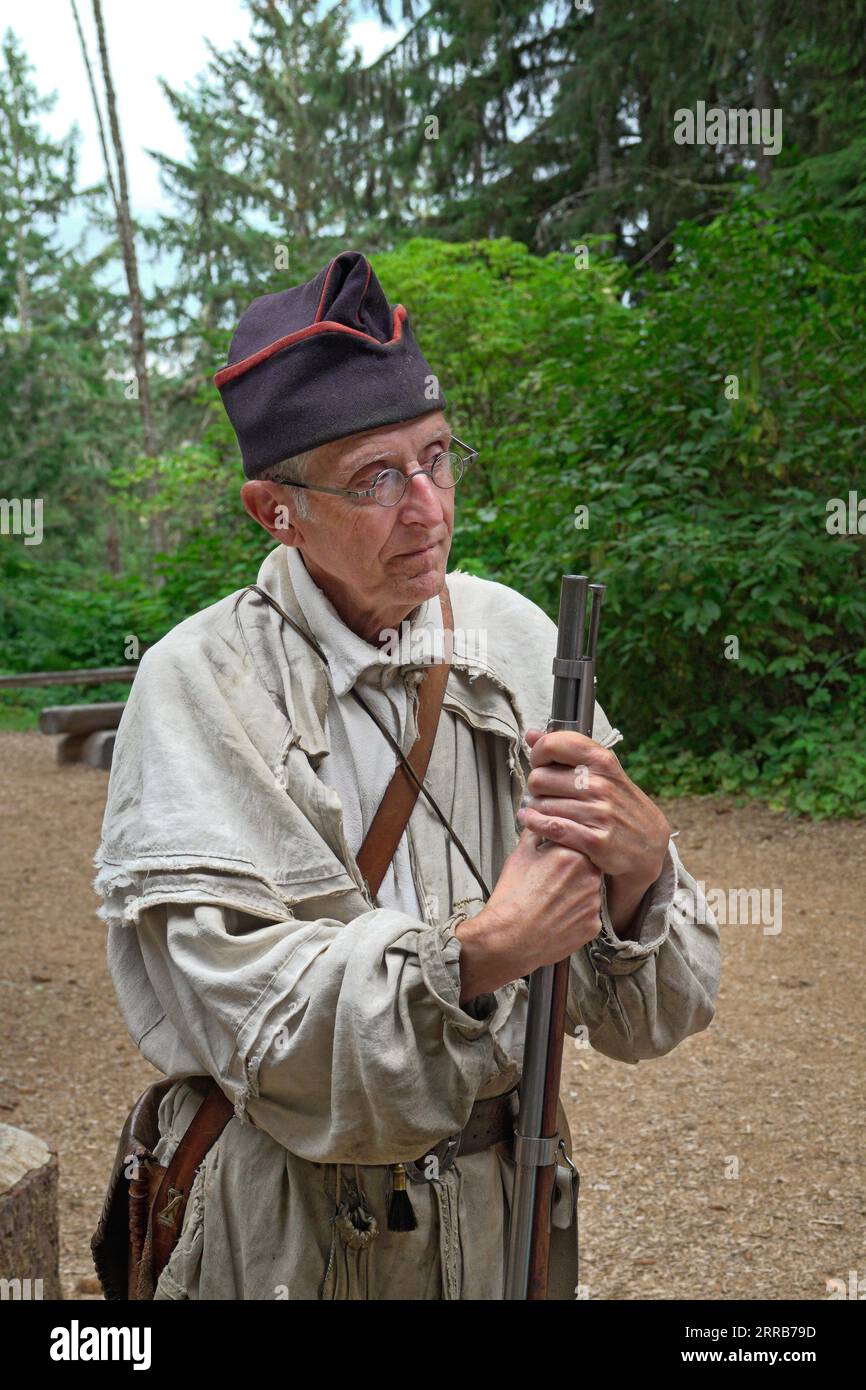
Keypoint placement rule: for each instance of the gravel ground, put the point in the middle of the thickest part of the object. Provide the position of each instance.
(732, 1168)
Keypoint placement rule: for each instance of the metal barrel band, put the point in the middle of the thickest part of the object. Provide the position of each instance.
(568, 666)
(536, 1153)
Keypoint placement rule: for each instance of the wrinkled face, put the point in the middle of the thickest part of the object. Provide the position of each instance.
(375, 563)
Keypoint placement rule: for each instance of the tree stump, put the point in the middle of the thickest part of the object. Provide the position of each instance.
(29, 1239)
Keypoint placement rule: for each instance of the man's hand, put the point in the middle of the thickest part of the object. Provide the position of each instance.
(582, 799)
(546, 904)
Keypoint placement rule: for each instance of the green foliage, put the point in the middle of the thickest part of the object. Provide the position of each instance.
(556, 121)
(51, 619)
(64, 419)
(810, 760)
(596, 386)
(54, 618)
(707, 516)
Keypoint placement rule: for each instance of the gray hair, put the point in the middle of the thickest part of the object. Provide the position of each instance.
(295, 469)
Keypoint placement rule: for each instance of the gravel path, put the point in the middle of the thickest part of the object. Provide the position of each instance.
(732, 1168)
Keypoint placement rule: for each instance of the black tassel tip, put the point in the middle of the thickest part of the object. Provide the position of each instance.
(401, 1216)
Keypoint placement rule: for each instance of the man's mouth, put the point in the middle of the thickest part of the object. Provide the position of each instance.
(422, 550)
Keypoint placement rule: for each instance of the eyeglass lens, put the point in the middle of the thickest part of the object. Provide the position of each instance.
(390, 485)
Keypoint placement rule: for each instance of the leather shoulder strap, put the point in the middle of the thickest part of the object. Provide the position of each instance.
(392, 817)
(172, 1195)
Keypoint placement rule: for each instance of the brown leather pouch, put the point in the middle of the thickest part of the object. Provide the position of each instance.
(146, 1201)
(119, 1237)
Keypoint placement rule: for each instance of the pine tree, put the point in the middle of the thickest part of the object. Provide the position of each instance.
(260, 201)
(64, 420)
(557, 123)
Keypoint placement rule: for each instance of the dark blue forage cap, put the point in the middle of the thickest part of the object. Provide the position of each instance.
(321, 361)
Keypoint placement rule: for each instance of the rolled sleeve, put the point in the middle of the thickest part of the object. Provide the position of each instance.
(439, 956)
(346, 1042)
(612, 956)
(639, 999)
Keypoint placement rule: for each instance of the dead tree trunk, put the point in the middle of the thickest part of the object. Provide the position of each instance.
(119, 189)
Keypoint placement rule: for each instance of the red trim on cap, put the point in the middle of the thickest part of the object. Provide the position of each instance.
(324, 291)
(226, 374)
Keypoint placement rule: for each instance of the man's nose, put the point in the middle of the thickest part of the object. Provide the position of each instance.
(422, 497)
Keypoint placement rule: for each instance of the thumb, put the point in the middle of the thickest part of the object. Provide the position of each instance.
(528, 842)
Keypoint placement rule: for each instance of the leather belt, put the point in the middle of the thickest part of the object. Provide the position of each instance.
(490, 1121)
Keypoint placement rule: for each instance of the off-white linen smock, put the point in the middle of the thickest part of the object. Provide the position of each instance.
(244, 946)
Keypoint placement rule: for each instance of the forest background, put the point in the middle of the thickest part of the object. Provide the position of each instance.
(656, 346)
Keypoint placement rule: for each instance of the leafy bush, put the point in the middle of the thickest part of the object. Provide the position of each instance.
(731, 651)
(707, 516)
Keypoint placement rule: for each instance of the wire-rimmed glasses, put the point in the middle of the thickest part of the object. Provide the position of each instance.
(389, 486)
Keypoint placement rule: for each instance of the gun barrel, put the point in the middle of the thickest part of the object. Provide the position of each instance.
(536, 1140)
(569, 644)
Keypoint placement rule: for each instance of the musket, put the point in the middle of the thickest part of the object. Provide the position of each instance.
(537, 1144)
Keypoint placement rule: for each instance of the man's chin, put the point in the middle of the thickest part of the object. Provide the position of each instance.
(429, 577)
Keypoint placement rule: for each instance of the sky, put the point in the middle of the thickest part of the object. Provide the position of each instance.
(164, 38)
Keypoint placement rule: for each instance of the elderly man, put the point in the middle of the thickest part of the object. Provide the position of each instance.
(355, 1003)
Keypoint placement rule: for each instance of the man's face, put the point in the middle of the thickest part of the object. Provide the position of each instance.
(376, 564)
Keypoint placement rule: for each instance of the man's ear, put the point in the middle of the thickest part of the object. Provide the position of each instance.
(269, 504)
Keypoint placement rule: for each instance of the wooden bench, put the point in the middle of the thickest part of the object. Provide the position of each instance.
(87, 732)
